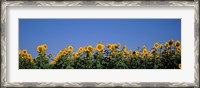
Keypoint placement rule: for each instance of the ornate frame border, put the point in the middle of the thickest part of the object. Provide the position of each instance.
(5, 4)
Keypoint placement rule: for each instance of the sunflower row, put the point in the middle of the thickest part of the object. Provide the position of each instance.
(167, 55)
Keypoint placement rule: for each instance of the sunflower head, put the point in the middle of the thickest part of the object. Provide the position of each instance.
(166, 45)
(114, 46)
(119, 52)
(137, 53)
(143, 47)
(179, 66)
(70, 48)
(53, 62)
(178, 44)
(40, 49)
(75, 55)
(118, 45)
(45, 46)
(100, 47)
(171, 42)
(109, 46)
(156, 45)
(90, 48)
(126, 53)
(144, 51)
(130, 51)
(124, 48)
(19, 52)
(153, 51)
(161, 46)
(80, 50)
(29, 56)
(85, 49)
(24, 52)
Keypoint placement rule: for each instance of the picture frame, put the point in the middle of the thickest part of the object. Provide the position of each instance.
(4, 45)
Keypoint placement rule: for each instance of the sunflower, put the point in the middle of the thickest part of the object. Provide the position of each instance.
(45, 46)
(126, 53)
(114, 46)
(29, 56)
(94, 49)
(114, 53)
(144, 51)
(166, 45)
(89, 47)
(157, 56)
(24, 52)
(31, 60)
(119, 52)
(70, 48)
(53, 62)
(40, 49)
(143, 47)
(153, 51)
(118, 45)
(109, 46)
(156, 45)
(19, 51)
(75, 55)
(137, 53)
(80, 50)
(179, 66)
(100, 47)
(134, 52)
(161, 46)
(85, 49)
(178, 44)
(124, 48)
(171, 42)
(130, 51)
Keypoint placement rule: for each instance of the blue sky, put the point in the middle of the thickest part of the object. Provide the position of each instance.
(59, 33)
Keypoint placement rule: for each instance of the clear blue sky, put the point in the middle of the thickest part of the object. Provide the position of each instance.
(59, 33)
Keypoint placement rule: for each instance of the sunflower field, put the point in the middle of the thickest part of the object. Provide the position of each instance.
(110, 56)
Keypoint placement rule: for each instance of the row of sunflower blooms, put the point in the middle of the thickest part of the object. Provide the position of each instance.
(161, 56)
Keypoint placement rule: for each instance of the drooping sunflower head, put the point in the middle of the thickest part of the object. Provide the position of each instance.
(70, 48)
(100, 47)
(24, 52)
(178, 44)
(171, 42)
(156, 45)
